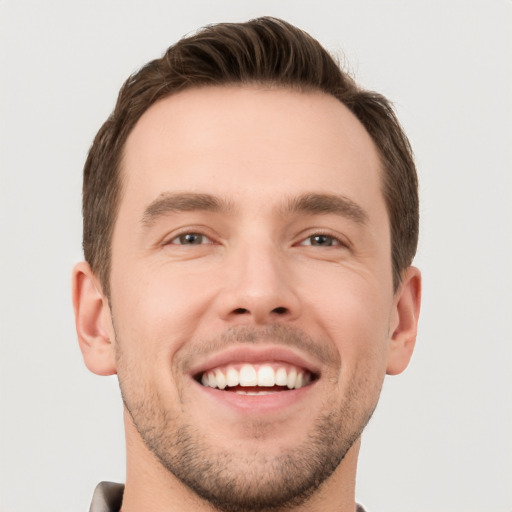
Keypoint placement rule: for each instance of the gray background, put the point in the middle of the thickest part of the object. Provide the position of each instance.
(441, 437)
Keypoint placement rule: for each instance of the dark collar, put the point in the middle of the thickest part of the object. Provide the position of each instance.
(107, 497)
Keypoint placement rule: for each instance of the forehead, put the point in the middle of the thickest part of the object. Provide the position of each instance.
(252, 140)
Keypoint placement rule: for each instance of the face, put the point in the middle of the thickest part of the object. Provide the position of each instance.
(251, 290)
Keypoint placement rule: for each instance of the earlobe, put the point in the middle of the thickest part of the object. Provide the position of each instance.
(405, 323)
(93, 321)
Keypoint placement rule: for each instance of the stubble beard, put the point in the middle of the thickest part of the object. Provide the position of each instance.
(248, 482)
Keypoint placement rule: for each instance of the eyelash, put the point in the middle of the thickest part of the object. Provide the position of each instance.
(334, 241)
(185, 234)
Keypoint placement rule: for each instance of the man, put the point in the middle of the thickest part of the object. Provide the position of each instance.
(250, 219)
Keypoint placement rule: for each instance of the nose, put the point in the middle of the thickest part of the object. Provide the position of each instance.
(258, 288)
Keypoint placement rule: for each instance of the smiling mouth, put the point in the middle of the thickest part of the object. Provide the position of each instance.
(256, 379)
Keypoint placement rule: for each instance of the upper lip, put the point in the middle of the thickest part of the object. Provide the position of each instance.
(255, 355)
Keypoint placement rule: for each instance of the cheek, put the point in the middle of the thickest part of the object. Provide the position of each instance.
(352, 312)
(157, 309)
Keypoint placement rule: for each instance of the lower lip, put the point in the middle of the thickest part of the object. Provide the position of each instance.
(257, 403)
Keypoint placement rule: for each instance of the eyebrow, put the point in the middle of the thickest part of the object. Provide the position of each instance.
(312, 204)
(325, 204)
(168, 203)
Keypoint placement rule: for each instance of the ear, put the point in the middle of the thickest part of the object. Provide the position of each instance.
(404, 324)
(93, 321)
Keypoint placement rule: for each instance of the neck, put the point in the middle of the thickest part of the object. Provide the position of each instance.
(150, 486)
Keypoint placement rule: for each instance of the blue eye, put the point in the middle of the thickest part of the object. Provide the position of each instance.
(321, 241)
(190, 239)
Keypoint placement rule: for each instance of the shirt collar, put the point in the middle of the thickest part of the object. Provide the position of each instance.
(107, 497)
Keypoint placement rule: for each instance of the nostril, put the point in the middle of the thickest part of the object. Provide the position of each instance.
(280, 310)
(240, 311)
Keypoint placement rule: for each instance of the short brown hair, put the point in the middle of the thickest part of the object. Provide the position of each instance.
(264, 50)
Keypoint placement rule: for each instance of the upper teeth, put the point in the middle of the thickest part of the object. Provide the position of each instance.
(256, 375)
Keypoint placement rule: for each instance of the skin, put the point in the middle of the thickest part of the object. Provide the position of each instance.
(257, 280)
